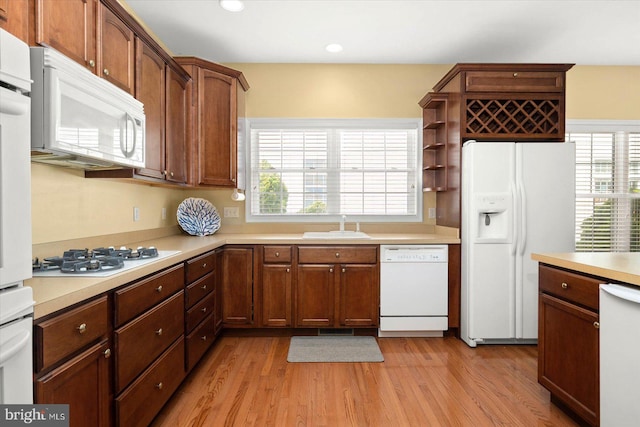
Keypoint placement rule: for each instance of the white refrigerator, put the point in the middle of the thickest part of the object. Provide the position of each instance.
(517, 198)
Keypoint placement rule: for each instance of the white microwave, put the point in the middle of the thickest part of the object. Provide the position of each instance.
(79, 119)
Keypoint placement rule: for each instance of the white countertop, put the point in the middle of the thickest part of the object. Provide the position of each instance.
(55, 293)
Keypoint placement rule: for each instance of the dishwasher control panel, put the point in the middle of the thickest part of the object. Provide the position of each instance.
(414, 253)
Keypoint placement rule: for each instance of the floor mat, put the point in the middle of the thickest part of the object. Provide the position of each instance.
(334, 349)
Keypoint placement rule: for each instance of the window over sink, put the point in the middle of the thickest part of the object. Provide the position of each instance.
(316, 170)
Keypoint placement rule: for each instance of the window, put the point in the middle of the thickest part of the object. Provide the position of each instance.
(607, 190)
(317, 170)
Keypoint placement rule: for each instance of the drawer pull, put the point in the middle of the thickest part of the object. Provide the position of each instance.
(106, 72)
(82, 328)
(92, 63)
(288, 270)
(204, 287)
(203, 309)
(159, 332)
(107, 353)
(203, 338)
(515, 74)
(564, 285)
(159, 386)
(337, 254)
(344, 270)
(204, 265)
(596, 325)
(159, 289)
(277, 254)
(331, 270)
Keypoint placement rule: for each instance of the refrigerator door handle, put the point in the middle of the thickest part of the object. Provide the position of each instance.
(522, 203)
(514, 215)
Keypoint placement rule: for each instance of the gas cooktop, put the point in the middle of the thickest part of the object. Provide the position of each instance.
(98, 262)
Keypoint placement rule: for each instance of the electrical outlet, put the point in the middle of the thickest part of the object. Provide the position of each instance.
(432, 213)
(231, 212)
(163, 215)
(136, 213)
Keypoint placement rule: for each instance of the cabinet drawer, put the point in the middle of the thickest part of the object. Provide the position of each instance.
(199, 266)
(277, 254)
(337, 254)
(141, 402)
(514, 81)
(135, 299)
(200, 311)
(199, 289)
(199, 341)
(140, 341)
(572, 287)
(69, 332)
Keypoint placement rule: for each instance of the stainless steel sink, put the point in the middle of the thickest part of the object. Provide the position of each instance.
(337, 234)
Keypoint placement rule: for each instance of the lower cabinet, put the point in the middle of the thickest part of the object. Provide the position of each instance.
(568, 341)
(237, 286)
(276, 289)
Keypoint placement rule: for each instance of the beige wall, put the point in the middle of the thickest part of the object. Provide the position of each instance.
(66, 205)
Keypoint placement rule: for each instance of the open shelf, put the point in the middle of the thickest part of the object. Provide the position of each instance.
(434, 142)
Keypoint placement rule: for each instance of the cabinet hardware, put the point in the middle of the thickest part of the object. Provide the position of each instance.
(171, 174)
(331, 270)
(82, 328)
(159, 386)
(107, 353)
(92, 63)
(203, 309)
(159, 289)
(204, 287)
(564, 285)
(277, 254)
(204, 265)
(515, 74)
(596, 325)
(344, 270)
(159, 332)
(337, 254)
(288, 270)
(203, 338)
(106, 72)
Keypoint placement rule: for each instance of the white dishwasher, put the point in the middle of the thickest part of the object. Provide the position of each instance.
(413, 290)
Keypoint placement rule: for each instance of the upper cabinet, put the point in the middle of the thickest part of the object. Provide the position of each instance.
(217, 122)
(14, 18)
(116, 50)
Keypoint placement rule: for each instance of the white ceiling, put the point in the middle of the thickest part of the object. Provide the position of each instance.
(400, 31)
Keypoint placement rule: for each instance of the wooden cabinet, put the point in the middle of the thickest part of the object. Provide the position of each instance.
(116, 50)
(337, 286)
(200, 306)
(276, 286)
(237, 286)
(14, 18)
(434, 142)
(149, 345)
(176, 127)
(217, 113)
(72, 361)
(568, 340)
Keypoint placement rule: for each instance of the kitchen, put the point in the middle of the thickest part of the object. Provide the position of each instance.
(339, 90)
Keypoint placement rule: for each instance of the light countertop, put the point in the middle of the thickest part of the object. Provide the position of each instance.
(55, 293)
(620, 267)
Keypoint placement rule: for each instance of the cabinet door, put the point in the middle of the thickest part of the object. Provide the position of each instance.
(217, 315)
(116, 51)
(14, 17)
(276, 295)
(359, 295)
(150, 90)
(70, 27)
(568, 355)
(217, 145)
(237, 286)
(176, 140)
(315, 295)
(83, 384)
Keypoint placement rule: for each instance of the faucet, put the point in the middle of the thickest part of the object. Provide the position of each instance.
(343, 218)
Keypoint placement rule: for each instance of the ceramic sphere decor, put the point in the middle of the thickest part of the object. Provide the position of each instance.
(198, 217)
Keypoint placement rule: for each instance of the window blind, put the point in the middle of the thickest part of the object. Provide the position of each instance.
(358, 169)
(607, 190)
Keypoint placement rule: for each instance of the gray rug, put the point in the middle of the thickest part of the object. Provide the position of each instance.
(334, 349)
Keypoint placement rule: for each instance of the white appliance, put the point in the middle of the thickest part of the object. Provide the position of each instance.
(413, 290)
(80, 120)
(16, 301)
(517, 198)
(619, 355)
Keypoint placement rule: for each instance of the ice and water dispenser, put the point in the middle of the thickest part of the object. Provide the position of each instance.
(493, 213)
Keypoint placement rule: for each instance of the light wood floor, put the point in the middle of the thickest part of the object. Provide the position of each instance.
(247, 381)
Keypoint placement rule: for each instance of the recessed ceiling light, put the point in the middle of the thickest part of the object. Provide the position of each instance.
(334, 48)
(232, 5)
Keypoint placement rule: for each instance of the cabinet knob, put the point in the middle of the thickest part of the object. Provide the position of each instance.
(203, 338)
(331, 270)
(164, 173)
(337, 254)
(564, 285)
(203, 309)
(105, 72)
(204, 287)
(159, 332)
(277, 254)
(288, 270)
(92, 63)
(159, 386)
(107, 353)
(171, 174)
(204, 265)
(515, 74)
(159, 289)
(596, 325)
(344, 270)
(82, 328)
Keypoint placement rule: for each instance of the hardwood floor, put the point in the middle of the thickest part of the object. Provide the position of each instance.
(247, 381)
